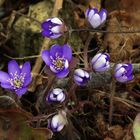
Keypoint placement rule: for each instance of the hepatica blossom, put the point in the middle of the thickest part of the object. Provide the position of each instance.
(17, 79)
(53, 28)
(95, 17)
(58, 121)
(123, 72)
(81, 77)
(56, 95)
(100, 62)
(58, 59)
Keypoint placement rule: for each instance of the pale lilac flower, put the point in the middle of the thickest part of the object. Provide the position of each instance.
(58, 121)
(100, 62)
(123, 72)
(56, 95)
(17, 79)
(81, 77)
(95, 17)
(53, 28)
(58, 59)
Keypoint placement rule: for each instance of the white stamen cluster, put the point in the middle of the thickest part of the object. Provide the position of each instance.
(17, 81)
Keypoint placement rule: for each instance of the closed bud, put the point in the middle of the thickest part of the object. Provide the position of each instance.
(58, 121)
(53, 28)
(123, 72)
(81, 77)
(56, 95)
(95, 17)
(100, 62)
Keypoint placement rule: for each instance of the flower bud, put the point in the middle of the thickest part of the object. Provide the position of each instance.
(123, 72)
(81, 77)
(100, 62)
(56, 95)
(58, 121)
(95, 17)
(53, 28)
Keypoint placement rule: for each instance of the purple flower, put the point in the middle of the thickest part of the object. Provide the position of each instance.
(123, 72)
(53, 28)
(58, 121)
(58, 59)
(100, 62)
(56, 95)
(95, 17)
(81, 77)
(17, 79)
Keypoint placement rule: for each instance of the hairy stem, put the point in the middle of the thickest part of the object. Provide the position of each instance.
(112, 89)
(86, 64)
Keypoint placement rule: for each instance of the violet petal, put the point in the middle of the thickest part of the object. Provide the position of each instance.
(6, 85)
(67, 52)
(77, 78)
(95, 58)
(56, 21)
(56, 49)
(95, 21)
(103, 68)
(4, 77)
(56, 29)
(27, 81)
(26, 68)
(47, 33)
(119, 72)
(21, 91)
(101, 62)
(54, 36)
(122, 79)
(46, 24)
(103, 15)
(13, 68)
(63, 73)
(46, 57)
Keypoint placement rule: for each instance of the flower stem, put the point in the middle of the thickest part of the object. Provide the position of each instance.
(42, 96)
(50, 83)
(86, 51)
(112, 87)
(71, 93)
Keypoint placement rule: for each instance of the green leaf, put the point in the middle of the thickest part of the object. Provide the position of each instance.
(136, 127)
(14, 123)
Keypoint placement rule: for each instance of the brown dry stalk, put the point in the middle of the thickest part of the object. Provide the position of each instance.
(112, 87)
(86, 51)
(45, 45)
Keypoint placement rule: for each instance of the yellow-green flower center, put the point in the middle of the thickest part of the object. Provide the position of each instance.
(59, 63)
(17, 83)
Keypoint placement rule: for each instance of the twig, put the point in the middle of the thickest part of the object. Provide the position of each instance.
(131, 104)
(45, 45)
(112, 89)
(36, 56)
(42, 96)
(104, 31)
(128, 103)
(86, 51)
(50, 82)
(22, 58)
